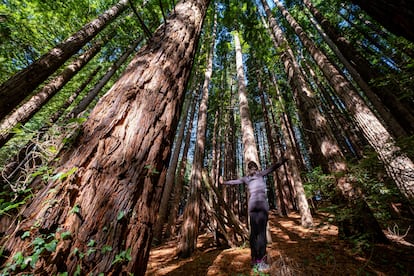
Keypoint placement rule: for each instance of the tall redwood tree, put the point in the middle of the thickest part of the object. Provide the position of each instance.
(100, 209)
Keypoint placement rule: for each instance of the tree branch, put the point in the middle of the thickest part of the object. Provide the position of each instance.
(144, 27)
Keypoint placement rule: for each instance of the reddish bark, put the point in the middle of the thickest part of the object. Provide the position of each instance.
(120, 163)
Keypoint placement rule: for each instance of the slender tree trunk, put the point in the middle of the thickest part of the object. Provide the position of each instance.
(215, 168)
(91, 95)
(306, 217)
(397, 164)
(169, 182)
(189, 230)
(230, 158)
(249, 144)
(178, 187)
(17, 163)
(110, 184)
(215, 159)
(282, 207)
(28, 109)
(322, 139)
(379, 96)
(278, 176)
(19, 86)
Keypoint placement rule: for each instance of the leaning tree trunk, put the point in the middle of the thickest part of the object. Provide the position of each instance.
(323, 143)
(178, 187)
(191, 218)
(25, 112)
(364, 73)
(19, 86)
(91, 95)
(322, 138)
(100, 209)
(397, 164)
(17, 163)
(169, 182)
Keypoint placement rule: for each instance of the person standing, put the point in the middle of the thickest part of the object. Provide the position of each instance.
(258, 208)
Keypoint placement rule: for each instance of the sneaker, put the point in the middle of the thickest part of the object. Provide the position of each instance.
(262, 267)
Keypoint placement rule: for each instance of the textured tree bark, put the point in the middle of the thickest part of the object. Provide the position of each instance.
(19, 86)
(109, 185)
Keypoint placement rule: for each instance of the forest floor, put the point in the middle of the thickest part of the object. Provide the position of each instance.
(294, 250)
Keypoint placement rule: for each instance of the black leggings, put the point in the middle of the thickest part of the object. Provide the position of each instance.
(258, 221)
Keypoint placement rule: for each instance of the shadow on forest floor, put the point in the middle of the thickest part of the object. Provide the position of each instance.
(294, 250)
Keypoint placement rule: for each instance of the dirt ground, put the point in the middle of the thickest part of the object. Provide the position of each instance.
(293, 251)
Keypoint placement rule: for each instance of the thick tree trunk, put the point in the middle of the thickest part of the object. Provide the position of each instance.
(109, 187)
(189, 229)
(19, 86)
(342, 125)
(28, 109)
(398, 166)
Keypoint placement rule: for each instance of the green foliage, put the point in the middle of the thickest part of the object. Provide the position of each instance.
(120, 215)
(379, 190)
(26, 260)
(151, 169)
(316, 180)
(6, 206)
(123, 256)
(30, 28)
(106, 248)
(63, 175)
(75, 209)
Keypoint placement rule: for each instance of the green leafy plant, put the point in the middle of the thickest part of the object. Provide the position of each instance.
(124, 256)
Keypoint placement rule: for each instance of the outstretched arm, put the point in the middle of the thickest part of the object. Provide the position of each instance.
(233, 182)
(274, 166)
